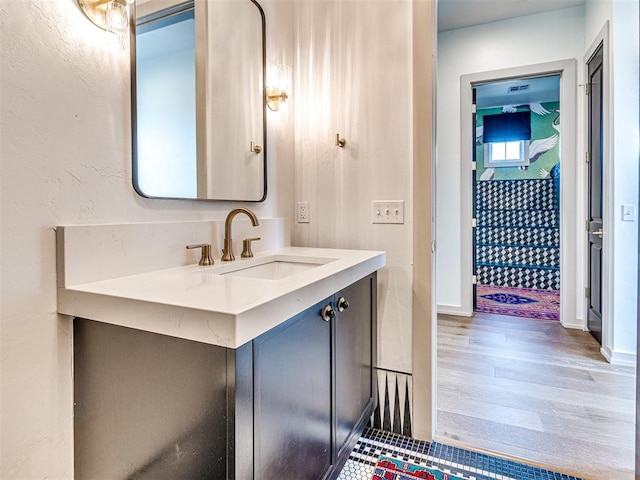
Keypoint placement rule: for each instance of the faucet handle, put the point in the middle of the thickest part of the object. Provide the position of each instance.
(205, 259)
(246, 247)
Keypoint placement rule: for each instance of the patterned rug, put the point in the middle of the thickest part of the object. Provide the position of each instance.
(519, 302)
(393, 469)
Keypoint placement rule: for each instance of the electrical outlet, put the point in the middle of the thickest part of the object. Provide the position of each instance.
(303, 212)
(387, 211)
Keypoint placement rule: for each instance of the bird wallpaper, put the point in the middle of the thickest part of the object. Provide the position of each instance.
(544, 148)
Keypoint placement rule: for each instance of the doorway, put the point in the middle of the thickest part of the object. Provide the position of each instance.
(516, 197)
(515, 386)
(565, 70)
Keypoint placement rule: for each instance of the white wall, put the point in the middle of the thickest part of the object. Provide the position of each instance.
(619, 342)
(533, 39)
(354, 79)
(66, 158)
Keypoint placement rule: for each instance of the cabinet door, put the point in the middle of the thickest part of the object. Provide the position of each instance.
(148, 406)
(354, 353)
(292, 404)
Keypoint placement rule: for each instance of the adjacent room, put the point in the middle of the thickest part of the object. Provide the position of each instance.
(516, 196)
(529, 361)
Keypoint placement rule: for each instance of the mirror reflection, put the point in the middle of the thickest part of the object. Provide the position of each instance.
(198, 101)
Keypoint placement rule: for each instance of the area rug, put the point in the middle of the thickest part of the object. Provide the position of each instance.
(393, 469)
(519, 302)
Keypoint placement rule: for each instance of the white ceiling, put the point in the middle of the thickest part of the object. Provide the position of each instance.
(454, 14)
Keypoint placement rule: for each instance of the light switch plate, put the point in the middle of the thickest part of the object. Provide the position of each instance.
(628, 213)
(387, 211)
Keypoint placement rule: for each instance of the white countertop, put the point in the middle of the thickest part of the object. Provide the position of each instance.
(206, 305)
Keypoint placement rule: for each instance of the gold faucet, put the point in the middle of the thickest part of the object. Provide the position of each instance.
(227, 252)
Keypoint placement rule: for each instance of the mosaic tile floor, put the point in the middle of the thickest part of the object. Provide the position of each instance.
(452, 460)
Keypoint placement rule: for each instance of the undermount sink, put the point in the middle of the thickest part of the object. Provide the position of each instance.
(273, 270)
(273, 267)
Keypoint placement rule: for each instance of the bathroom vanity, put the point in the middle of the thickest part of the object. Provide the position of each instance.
(287, 404)
(260, 368)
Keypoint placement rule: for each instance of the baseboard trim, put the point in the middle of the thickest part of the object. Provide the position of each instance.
(624, 359)
(394, 409)
(455, 310)
(577, 325)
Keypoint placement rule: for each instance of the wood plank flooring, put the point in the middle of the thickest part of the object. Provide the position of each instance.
(534, 390)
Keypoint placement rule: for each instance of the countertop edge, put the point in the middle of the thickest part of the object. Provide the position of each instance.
(210, 327)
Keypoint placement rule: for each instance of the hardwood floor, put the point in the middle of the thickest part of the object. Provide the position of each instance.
(534, 390)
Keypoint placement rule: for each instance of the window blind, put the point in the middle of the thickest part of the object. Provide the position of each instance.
(506, 127)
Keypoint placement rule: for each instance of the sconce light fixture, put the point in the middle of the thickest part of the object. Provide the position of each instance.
(278, 84)
(110, 15)
(274, 97)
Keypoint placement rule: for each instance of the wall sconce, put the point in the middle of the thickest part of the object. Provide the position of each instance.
(274, 97)
(278, 84)
(110, 15)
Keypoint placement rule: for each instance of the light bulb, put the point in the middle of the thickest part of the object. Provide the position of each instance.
(117, 19)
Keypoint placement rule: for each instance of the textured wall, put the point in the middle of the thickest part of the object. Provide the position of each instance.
(354, 81)
(66, 156)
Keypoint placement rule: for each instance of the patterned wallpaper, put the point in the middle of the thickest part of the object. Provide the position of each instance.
(544, 149)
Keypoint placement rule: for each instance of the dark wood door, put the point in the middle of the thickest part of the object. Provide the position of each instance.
(292, 403)
(354, 361)
(595, 72)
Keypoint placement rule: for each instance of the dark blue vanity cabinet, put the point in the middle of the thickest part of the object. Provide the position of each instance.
(288, 405)
(355, 356)
(292, 407)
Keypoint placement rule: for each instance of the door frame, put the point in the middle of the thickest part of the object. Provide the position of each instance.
(567, 69)
(424, 315)
(607, 188)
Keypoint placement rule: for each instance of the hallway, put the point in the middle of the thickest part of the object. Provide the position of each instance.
(534, 390)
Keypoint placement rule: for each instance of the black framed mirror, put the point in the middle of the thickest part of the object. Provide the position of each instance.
(198, 102)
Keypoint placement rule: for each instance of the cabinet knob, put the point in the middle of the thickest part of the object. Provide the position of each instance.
(328, 313)
(343, 304)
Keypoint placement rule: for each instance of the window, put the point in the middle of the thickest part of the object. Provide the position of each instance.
(506, 139)
(506, 154)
